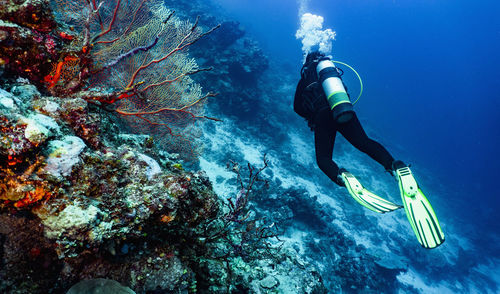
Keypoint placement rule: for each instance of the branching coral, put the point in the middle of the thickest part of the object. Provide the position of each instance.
(244, 232)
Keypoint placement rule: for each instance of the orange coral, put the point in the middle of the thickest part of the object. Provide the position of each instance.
(21, 190)
(64, 70)
(167, 218)
(13, 160)
(33, 196)
(66, 36)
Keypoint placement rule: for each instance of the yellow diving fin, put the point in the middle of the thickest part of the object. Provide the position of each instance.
(365, 197)
(422, 217)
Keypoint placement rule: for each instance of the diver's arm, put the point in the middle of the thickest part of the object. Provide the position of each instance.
(300, 88)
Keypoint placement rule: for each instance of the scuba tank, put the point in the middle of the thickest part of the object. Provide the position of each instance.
(334, 89)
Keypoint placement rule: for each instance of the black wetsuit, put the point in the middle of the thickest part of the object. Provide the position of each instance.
(325, 128)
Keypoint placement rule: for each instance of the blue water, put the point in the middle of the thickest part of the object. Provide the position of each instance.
(431, 75)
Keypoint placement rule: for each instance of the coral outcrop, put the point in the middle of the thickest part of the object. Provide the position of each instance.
(124, 211)
(85, 208)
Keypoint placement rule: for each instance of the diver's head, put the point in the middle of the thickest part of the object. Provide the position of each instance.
(313, 56)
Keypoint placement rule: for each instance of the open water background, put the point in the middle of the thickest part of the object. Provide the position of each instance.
(430, 70)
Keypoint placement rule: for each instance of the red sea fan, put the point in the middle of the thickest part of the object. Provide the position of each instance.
(133, 55)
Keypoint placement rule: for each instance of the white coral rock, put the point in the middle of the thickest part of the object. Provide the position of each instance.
(153, 168)
(64, 154)
(39, 127)
(71, 220)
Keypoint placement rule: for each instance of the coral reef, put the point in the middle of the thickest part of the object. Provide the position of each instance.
(125, 211)
(92, 204)
(82, 199)
(136, 66)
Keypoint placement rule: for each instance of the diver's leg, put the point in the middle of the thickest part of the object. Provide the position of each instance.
(354, 133)
(324, 139)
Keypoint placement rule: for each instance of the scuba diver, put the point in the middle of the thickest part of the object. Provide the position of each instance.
(321, 98)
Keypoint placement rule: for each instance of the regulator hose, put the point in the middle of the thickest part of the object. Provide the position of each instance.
(359, 78)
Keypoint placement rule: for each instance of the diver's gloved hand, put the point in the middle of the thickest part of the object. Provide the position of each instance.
(340, 181)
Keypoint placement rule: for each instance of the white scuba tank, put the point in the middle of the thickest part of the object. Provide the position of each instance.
(334, 89)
